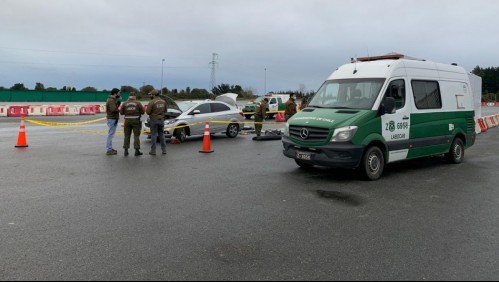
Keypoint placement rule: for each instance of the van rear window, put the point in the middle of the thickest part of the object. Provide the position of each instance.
(426, 94)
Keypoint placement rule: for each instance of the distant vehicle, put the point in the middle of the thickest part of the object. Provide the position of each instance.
(188, 118)
(380, 110)
(277, 102)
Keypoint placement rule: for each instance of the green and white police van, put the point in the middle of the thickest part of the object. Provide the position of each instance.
(277, 103)
(385, 109)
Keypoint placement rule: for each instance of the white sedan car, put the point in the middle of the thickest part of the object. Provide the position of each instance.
(189, 120)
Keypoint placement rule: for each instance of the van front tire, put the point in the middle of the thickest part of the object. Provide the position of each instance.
(456, 153)
(373, 163)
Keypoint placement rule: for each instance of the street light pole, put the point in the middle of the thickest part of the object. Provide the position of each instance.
(265, 83)
(162, 63)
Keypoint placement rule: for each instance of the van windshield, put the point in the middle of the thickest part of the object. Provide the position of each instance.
(348, 94)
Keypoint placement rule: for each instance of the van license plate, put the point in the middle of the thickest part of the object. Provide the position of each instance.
(304, 156)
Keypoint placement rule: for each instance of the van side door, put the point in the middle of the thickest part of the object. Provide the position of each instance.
(396, 126)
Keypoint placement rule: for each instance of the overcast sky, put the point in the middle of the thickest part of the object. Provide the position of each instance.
(272, 45)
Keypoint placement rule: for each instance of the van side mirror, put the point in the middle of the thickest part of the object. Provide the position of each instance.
(387, 106)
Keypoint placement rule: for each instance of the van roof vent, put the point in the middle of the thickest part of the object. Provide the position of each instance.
(389, 56)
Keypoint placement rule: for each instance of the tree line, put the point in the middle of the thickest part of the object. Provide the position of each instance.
(176, 94)
(490, 82)
(489, 75)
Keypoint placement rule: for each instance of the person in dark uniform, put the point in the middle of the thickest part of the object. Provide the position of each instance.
(132, 110)
(113, 116)
(260, 113)
(290, 107)
(157, 111)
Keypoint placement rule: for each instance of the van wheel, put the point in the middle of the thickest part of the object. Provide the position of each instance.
(373, 163)
(181, 134)
(456, 153)
(304, 164)
(232, 130)
(248, 116)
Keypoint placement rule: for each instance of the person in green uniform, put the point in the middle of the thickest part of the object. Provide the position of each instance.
(157, 111)
(132, 110)
(290, 107)
(260, 113)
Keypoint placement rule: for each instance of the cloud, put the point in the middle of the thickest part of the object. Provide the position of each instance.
(122, 42)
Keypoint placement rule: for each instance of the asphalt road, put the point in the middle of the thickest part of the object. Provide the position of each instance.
(244, 212)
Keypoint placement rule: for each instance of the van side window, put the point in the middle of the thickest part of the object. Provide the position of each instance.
(426, 94)
(396, 90)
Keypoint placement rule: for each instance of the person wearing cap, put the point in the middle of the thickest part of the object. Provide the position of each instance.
(260, 113)
(157, 111)
(132, 110)
(290, 109)
(113, 116)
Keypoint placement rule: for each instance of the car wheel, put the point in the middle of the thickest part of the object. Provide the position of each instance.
(181, 134)
(248, 116)
(373, 163)
(456, 153)
(232, 130)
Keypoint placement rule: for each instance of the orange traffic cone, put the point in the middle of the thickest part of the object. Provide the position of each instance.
(21, 139)
(206, 140)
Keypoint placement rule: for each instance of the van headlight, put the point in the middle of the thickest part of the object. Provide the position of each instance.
(344, 134)
(286, 130)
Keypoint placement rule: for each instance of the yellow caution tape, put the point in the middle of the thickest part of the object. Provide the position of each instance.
(47, 123)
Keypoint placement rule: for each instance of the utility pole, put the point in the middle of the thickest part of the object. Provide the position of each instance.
(162, 63)
(265, 83)
(213, 65)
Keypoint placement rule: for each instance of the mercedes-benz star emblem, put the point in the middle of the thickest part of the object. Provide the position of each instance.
(304, 133)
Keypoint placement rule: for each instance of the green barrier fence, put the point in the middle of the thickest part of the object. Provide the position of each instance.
(55, 96)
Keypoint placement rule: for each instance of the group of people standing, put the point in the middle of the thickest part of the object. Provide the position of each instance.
(132, 110)
(290, 110)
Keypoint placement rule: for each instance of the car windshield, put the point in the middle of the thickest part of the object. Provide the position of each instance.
(348, 94)
(184, 106)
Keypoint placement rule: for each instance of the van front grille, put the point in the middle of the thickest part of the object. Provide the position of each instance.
(309, 134)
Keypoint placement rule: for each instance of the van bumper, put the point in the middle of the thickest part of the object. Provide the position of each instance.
(342, 155)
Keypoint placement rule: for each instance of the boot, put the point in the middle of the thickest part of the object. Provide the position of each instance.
(126, 152)
(138, 152)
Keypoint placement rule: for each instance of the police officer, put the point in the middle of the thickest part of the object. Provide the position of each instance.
(157, 111)
(132, 110)
(260, 113)
(113, 116)
(290, 107)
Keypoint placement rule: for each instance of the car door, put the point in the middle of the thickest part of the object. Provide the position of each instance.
(199, 119)
(396, 126)
(221, 113)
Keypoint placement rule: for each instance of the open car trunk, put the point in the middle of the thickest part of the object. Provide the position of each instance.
(229, 98)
